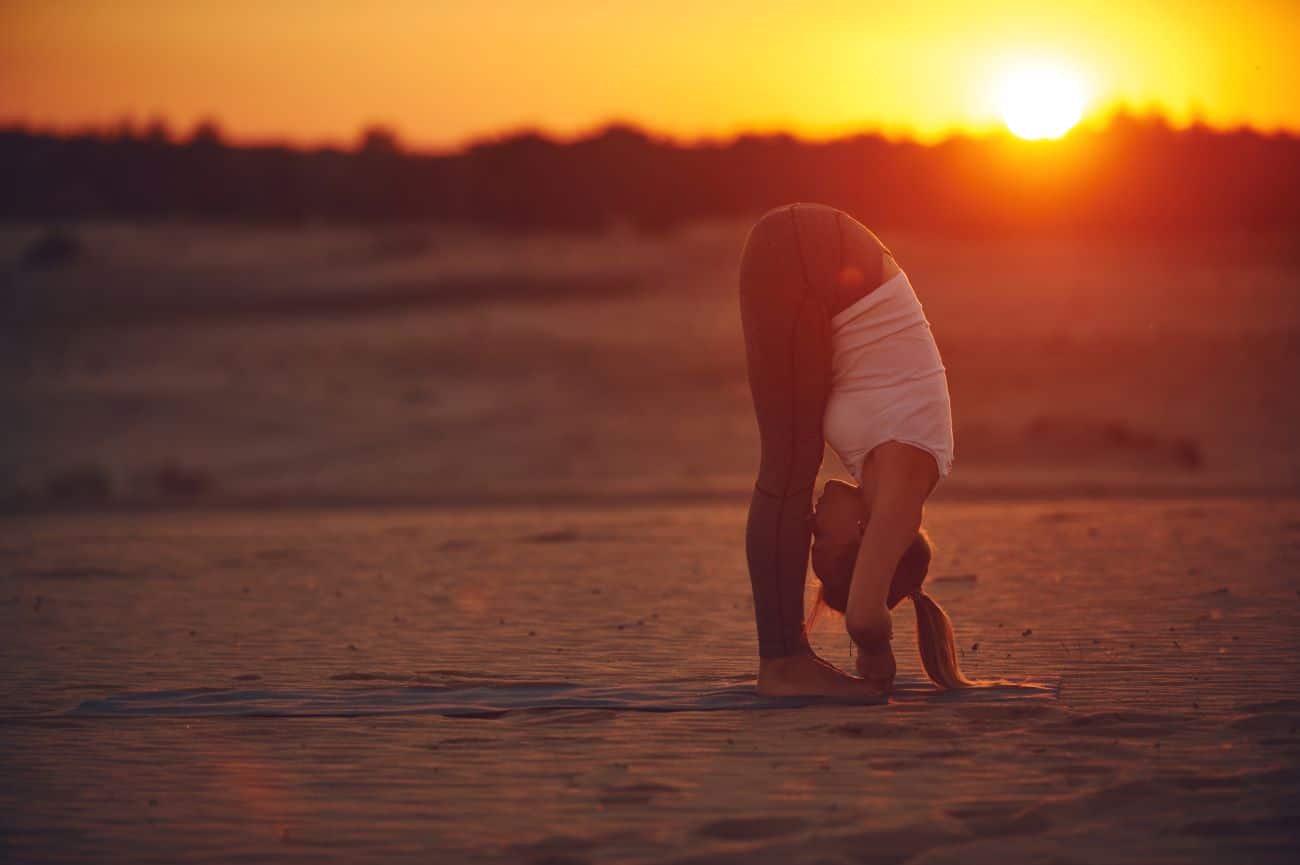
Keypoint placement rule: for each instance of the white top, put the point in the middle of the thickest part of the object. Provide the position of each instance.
(887, 379)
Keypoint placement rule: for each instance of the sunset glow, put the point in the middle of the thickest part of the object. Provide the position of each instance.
(442, 74)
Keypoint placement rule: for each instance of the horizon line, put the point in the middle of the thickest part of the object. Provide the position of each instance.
(128, 127)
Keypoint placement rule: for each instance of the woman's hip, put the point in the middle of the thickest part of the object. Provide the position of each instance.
(818, 250)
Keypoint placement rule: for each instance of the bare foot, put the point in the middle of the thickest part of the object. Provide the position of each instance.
(806, 675)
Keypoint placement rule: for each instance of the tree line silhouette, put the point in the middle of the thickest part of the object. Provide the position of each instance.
(1132, 174)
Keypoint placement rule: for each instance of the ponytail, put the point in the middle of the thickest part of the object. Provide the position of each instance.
(834, 565)
(935, 640)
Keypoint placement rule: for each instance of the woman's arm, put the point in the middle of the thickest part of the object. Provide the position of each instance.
(903, 478)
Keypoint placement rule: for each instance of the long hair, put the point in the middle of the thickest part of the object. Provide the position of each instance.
(934, 638)
(934, 634)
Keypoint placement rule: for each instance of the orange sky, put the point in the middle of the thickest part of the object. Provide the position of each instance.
(444, 72)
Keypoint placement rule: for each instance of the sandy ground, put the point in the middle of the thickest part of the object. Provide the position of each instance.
(272, 501)
(426, 365)
(1168, 629)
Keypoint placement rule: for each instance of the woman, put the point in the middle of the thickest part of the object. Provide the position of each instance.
(838, 349)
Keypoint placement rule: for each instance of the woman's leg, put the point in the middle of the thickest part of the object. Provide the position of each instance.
(787, 344)
(791, 260)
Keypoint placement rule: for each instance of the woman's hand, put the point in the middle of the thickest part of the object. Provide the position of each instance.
(878, 668)
(871, 627)
(872, 633)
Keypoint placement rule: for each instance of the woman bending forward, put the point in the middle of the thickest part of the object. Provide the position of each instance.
(839, 350)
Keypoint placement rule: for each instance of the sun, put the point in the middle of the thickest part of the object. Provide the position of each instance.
(1040, 98)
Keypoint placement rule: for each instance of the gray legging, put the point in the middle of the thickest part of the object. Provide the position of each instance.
(801, 265)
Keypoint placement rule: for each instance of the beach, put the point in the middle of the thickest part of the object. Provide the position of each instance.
(160, 672)
(422, 365)
(420, 544)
